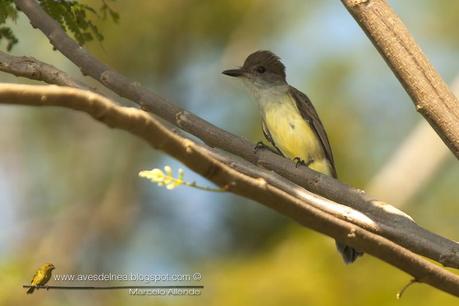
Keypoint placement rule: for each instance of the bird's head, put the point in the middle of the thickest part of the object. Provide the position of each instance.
(49, 266)
(261, 68)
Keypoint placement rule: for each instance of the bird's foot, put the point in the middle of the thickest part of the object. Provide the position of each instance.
(261, 146)
(301, 162)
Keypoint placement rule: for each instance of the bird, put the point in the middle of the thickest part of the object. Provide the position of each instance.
(41, 277)
(290, 122)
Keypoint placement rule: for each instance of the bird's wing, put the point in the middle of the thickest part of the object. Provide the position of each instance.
(46, 277)
(269, 137)
(34, 278)
(309, 114)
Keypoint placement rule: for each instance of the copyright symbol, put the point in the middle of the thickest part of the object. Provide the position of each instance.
(197, 276)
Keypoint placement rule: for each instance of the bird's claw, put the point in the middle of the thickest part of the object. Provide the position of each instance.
(260, 146)
(301, 162)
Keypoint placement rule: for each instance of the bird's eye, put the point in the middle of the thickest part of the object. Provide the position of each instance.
(261, 69)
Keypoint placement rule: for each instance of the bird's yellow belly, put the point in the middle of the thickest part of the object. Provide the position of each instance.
(293, 135)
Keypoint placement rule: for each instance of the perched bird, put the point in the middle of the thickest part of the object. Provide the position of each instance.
(41, 277)
(289, 121)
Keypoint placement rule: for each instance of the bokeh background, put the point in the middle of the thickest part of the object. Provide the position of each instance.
(70, 193)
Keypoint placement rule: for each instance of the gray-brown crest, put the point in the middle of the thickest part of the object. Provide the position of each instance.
(267, 60)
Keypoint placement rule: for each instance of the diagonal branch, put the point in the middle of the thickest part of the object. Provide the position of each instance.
(208, 163)
(429, 244)
(429, 92)
(31, 68)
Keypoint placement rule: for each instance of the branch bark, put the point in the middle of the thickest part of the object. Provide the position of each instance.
(430, 94)
(208, 163)
(417, 239)
(31, 68)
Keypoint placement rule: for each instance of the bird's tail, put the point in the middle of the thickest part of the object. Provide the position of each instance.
(31, 289)
(349, 254)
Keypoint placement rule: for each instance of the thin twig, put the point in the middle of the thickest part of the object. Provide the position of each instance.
(205, 188)
(115, 287)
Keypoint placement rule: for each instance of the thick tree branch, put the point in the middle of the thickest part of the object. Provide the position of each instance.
(31, 68)
(429, 92)
(429, 244)
(208, 162)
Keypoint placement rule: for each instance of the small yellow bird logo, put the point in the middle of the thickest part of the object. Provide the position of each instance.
(41, 277)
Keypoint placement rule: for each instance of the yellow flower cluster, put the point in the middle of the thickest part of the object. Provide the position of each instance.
(165, 178)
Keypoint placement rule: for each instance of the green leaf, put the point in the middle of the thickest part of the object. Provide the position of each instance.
(76, 18)
(7, 11)
(7, 34)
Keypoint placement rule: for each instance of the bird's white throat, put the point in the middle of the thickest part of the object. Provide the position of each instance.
(266, 94)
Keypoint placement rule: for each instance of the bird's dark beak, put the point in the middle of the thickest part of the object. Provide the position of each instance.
(233, 72)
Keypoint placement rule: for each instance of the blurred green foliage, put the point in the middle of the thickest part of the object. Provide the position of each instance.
(165, 36)
(7, 11)
(73, 16)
